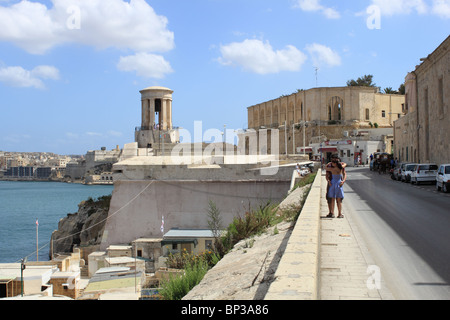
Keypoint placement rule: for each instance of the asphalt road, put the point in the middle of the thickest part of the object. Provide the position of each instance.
(406, 229)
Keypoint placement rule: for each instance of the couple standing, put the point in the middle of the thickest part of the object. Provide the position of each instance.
(335, 175)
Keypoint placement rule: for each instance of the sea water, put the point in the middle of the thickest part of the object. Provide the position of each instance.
(22, 203)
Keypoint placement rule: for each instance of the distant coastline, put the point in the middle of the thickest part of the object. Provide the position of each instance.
(56, 180)
(24, 202)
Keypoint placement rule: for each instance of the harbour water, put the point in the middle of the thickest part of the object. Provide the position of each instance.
(22, 203)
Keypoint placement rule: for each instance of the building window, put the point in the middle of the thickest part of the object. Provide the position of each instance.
(367, 114)
(335, 108)
(441, 97)
(383, 113)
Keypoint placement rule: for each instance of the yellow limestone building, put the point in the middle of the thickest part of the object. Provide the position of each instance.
(423, 134)
(321, 114)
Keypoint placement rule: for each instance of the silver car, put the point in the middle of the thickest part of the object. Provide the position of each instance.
(407, 169)
(424, 172)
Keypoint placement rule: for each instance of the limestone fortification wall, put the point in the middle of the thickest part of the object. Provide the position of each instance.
(137, 207)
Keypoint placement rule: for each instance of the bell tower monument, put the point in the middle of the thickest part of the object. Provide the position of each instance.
(156, 117)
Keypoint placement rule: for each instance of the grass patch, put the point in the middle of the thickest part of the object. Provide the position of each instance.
(176, 287)
(309, 179)
(252, 223)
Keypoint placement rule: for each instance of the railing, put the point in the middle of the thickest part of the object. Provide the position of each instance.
(151, 128)
(142, 128)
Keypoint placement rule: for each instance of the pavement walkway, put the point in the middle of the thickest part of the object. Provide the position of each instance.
(346, 269)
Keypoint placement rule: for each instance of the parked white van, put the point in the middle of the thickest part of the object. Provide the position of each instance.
(424, 172)
(443, 178)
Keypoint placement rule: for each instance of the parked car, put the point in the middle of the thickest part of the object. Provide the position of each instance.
(397, 173)
(407, 169)
(443, 178)
(424, 172)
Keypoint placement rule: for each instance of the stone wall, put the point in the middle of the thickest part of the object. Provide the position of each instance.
(420, 134)
(137, 207)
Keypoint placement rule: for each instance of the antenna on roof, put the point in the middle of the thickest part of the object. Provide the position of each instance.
(317, 69)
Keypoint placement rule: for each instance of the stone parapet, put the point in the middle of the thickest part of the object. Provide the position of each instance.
(297, 275)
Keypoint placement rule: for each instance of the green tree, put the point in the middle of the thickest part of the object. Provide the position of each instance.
(401, 89)
(215, 224)
(364, 81)
(389, 90)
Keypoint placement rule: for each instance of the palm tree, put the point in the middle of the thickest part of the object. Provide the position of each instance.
(389, 90)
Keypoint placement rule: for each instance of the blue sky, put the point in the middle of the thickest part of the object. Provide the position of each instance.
(71, 70)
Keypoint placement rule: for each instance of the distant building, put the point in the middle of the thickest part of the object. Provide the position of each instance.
(76, 170)
(20, 172)
(323, 114)
(43, 172)
(96, 158)
(423, 134)
(96, 166)
(190, 240)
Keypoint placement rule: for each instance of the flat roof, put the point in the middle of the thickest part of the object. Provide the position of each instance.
(119, 260)
(10, 271)
(64, 274)
(148, 240)
(189, 233)
(112, 269)
(119, 247)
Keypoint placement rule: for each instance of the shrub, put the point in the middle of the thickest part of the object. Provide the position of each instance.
(176, 287)
(184, 258)
(252, 223)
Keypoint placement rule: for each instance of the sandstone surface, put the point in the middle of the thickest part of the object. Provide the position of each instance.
(247, 271)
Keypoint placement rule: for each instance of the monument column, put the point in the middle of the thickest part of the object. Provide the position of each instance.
(144, 114)
(152, 112)
(169, 114)
(164, 113)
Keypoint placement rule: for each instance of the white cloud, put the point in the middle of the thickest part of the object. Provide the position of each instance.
(394, 7)
(315, 6)
(46, 72)
(17, 76)
(441, 8)
(323, 56)
(113, 133)
(94, 134)
(259, 57)
(71, 135)
(100, 23)
(16, 138)
(145, 65)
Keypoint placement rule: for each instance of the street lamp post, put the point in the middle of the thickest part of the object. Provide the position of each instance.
(22, 267)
